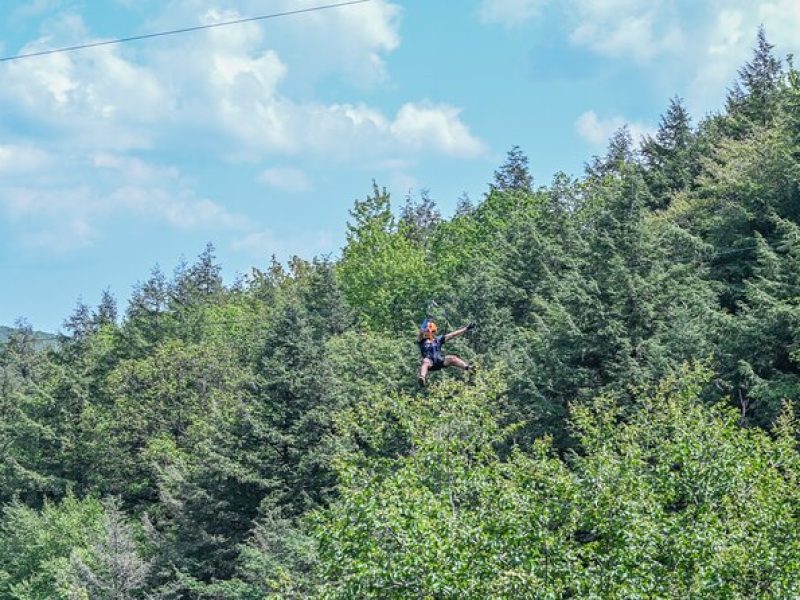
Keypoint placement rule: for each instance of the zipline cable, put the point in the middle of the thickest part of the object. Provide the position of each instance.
(183, 30)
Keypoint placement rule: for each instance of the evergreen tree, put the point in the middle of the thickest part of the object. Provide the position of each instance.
(106, 311)
(326, 305)
(464, 205)
(761, 348)
(147, 315)
(262, 450)
(198, 282)
(513, 175)
(620, 153)
(754, 95)
(384, 275)
(111, 569)
(80, 324)
(36, 545)
(419, 219)
(671, 165)
(38, 451)
(745, 185)
(607, 317)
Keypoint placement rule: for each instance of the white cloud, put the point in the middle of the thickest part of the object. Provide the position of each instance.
(728, 33)
(95, 100)
(726, 47)
(15, 159)
(402, 183)
(228, 83)
(264, 243)
(726, 43)
(243, 92)
(135, 169)
(33, 8)
(63, 236)
(61, 212)
(289, 179)
(638, 30)
(346, 131)
(420, 125)
(597, 131)
(225, 83)
(782, 21)
(693, 48)
(509, 13)
(354, 38)
(40, 203)
(181, 208)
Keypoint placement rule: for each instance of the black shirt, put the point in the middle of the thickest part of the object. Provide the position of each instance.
(432, 348)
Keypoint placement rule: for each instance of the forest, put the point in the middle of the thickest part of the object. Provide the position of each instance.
(630, 430)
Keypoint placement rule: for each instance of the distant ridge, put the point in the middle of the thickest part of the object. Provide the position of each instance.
(43, 338)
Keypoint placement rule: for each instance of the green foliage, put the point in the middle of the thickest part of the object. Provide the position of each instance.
(35, 437)
(513, 175)
(671, 157)
(670, 500)
(159, 397)
(752, 101)
(383, 273)
(762, 348)
(36, 548)
(447, 518)
(111, 569)
(684, 502)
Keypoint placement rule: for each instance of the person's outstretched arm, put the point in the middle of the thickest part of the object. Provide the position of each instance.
(458, 332)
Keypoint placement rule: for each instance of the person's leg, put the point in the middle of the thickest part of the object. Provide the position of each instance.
(451, 360)
(422, 378)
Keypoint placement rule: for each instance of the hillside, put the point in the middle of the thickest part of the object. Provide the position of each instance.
(628, 429)
(41, 338)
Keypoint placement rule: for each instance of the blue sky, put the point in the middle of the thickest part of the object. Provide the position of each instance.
(258, 137)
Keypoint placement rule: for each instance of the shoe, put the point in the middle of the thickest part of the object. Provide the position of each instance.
(470, 375)
(421, 381)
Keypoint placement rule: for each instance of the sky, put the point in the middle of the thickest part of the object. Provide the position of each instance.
(258, 137)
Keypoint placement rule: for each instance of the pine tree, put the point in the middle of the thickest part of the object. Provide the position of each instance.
(605, 314)
(205, 274)
(150, 299)
(371, 215)
(328, 311)
(754, 95)
(620, 153)
(419, 219)
(464, 205)
(197, 283)
(147, 315)
(38, 451)
(80, 324)
(760, 352)
(670, 163)
(261, 448)
(106, 311)
(513, 175)
(383, 274)
(113, 569)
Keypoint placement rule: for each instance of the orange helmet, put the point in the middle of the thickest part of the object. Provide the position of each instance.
(431, 331)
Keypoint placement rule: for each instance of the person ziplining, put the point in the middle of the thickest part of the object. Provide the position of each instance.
(430, 346)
